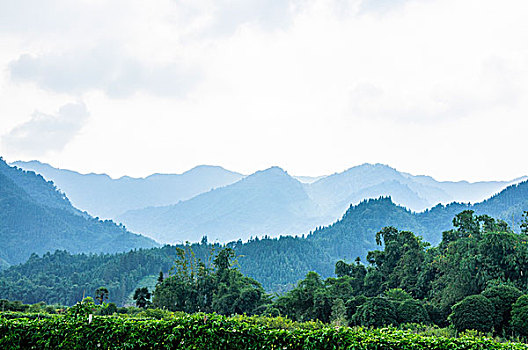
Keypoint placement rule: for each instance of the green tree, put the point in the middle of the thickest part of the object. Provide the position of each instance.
(339, 313)
(519, 315)
(400, 262)
(101, 294)
(473, 312)
(160, 278)
(503, 297)
(412, 311)
(524, 223)
(142, 297)
(376, 312)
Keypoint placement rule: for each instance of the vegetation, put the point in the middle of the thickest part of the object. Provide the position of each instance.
(211, 331)
(36, 218)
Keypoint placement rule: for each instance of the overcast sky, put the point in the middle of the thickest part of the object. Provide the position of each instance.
(437, 87)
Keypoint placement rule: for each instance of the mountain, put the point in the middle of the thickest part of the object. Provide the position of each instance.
(271, 202)
(353, 234)
(102, 196)
(278, 263)
(213, 201)
(36, 218)
(268, 201)
(417, 193)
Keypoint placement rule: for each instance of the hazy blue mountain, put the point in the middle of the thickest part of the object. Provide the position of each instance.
(102, 196)
(251, 207)
(467, 192)
(266, 202)
(35, 218)
(184, 207)
(353, 234)
(417, 193)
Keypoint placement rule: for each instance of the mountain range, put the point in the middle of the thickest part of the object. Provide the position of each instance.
(104, 197)
(36, 218)
(226, 205)
(278, 263)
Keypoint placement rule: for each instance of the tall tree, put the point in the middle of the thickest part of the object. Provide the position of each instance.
(101, 294)
(142, 297)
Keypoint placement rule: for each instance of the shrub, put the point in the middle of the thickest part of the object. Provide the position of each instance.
(412, 311)
(519, 315)
(376, 312)
(503, 297)
(473, 312)
(211, 331)
(397, 294)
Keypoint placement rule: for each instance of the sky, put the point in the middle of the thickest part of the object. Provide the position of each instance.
(436, 87)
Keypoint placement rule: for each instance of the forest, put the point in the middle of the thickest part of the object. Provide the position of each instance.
(475, 279)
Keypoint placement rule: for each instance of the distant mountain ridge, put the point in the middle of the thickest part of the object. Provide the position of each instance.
(353, 234)
(216, 202)
(36, 218)
(266, 201)
(239, 212)
(102, 196)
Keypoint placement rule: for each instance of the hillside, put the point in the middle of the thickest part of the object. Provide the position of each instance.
(210, 200)
(36, 218)
(269, 201)
(415, 192)
(102, 196)
(353, 235)
(278, 263)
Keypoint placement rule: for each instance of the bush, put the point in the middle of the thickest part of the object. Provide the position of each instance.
(503, 297)
(108, 309)
(397, 294)
(412, 311)
(473, 312)
(376, 312)
(437, 314)
(211, 331)
(519, 315)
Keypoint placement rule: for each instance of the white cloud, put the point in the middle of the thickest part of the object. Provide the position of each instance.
(44, 133)
(314, 86)
(103, 68)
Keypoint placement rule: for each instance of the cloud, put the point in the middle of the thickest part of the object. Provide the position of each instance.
(103, 68)
(45, 133)
(268, 14)
(380, 6)
(442, 100)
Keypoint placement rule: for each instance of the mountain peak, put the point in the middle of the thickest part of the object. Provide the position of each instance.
(272, 172)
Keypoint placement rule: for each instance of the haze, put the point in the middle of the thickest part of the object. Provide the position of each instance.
(133, 87)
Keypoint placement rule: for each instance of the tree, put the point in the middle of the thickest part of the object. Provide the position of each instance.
(524, 223)
(142, 297)
(401, 260)
(503, 297)
(519, 315)
(473, 312)
(101, 294)
(376, 312)
(412, 311)
(339, 313)
(194, 287)
(160, 278)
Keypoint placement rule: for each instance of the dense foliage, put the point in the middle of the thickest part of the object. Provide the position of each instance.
(209, 331)
(219, 288)
(471, 280)
(36, 218)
